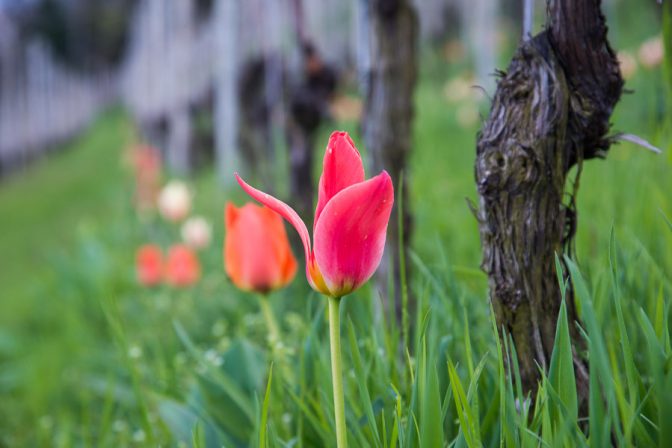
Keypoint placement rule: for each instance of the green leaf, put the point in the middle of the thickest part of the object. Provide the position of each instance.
(361, 377)
(228, 391)
(667, 220)
(662, 380)
(178, 418)
(185, 426)
(198, 436)
(561, 371)
(601, 383)
(468, 424)
(561, 279)
(263, 442)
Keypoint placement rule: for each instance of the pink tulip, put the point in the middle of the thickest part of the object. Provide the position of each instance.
(146, 162)
(149, 265)
(182, 266)
(350, 221)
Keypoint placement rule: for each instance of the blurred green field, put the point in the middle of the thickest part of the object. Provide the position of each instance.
(89, 358)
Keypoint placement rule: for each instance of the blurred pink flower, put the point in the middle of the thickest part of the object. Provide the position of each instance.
(467, 115)
(459, 89)
(652, 52)
(627, 63)
(182, 266)
(146, 163)
(149, 265)
(196, 232)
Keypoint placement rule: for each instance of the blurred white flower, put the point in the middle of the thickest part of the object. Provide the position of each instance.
(628, 64)
(134, 352)
(213, 357)
(346, 108)
(196, 232)
(286, 418)
(459, 89)
(139, 436)
(175, 201)
(119, 426)
(652, 52)
(467, 115)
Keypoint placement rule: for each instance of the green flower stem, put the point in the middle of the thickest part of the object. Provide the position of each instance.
(337, 371)
(271, 323)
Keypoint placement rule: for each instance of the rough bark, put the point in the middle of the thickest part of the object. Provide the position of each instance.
(179, 141)
(550, 112)
(256, 108)
(301, 143)
(388, 115)
(309, 96)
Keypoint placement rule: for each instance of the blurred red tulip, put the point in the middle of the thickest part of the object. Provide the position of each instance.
(350, 221)
(146, 161)
(257, 256)
(149, 265)
(182, 266)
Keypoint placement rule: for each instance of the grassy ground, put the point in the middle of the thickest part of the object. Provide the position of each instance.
(45, 210)
(88, 358)
(47, 204)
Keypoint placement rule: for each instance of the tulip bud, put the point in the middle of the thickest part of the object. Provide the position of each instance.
(257, 255)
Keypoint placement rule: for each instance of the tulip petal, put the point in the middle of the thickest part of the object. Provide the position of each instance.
(283, 210)
(277, 244)
(257, 256)
(230, 215)
(342, 167)
(350, 236)
(289, 268)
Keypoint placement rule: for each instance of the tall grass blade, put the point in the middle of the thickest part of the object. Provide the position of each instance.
(561, 371)
(263, 427)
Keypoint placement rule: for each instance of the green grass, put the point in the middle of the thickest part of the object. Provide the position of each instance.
(43, 205)
(45, 208)
(89, 358)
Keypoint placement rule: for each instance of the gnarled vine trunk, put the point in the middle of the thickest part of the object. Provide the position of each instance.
(388, 114)
(550, 112)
